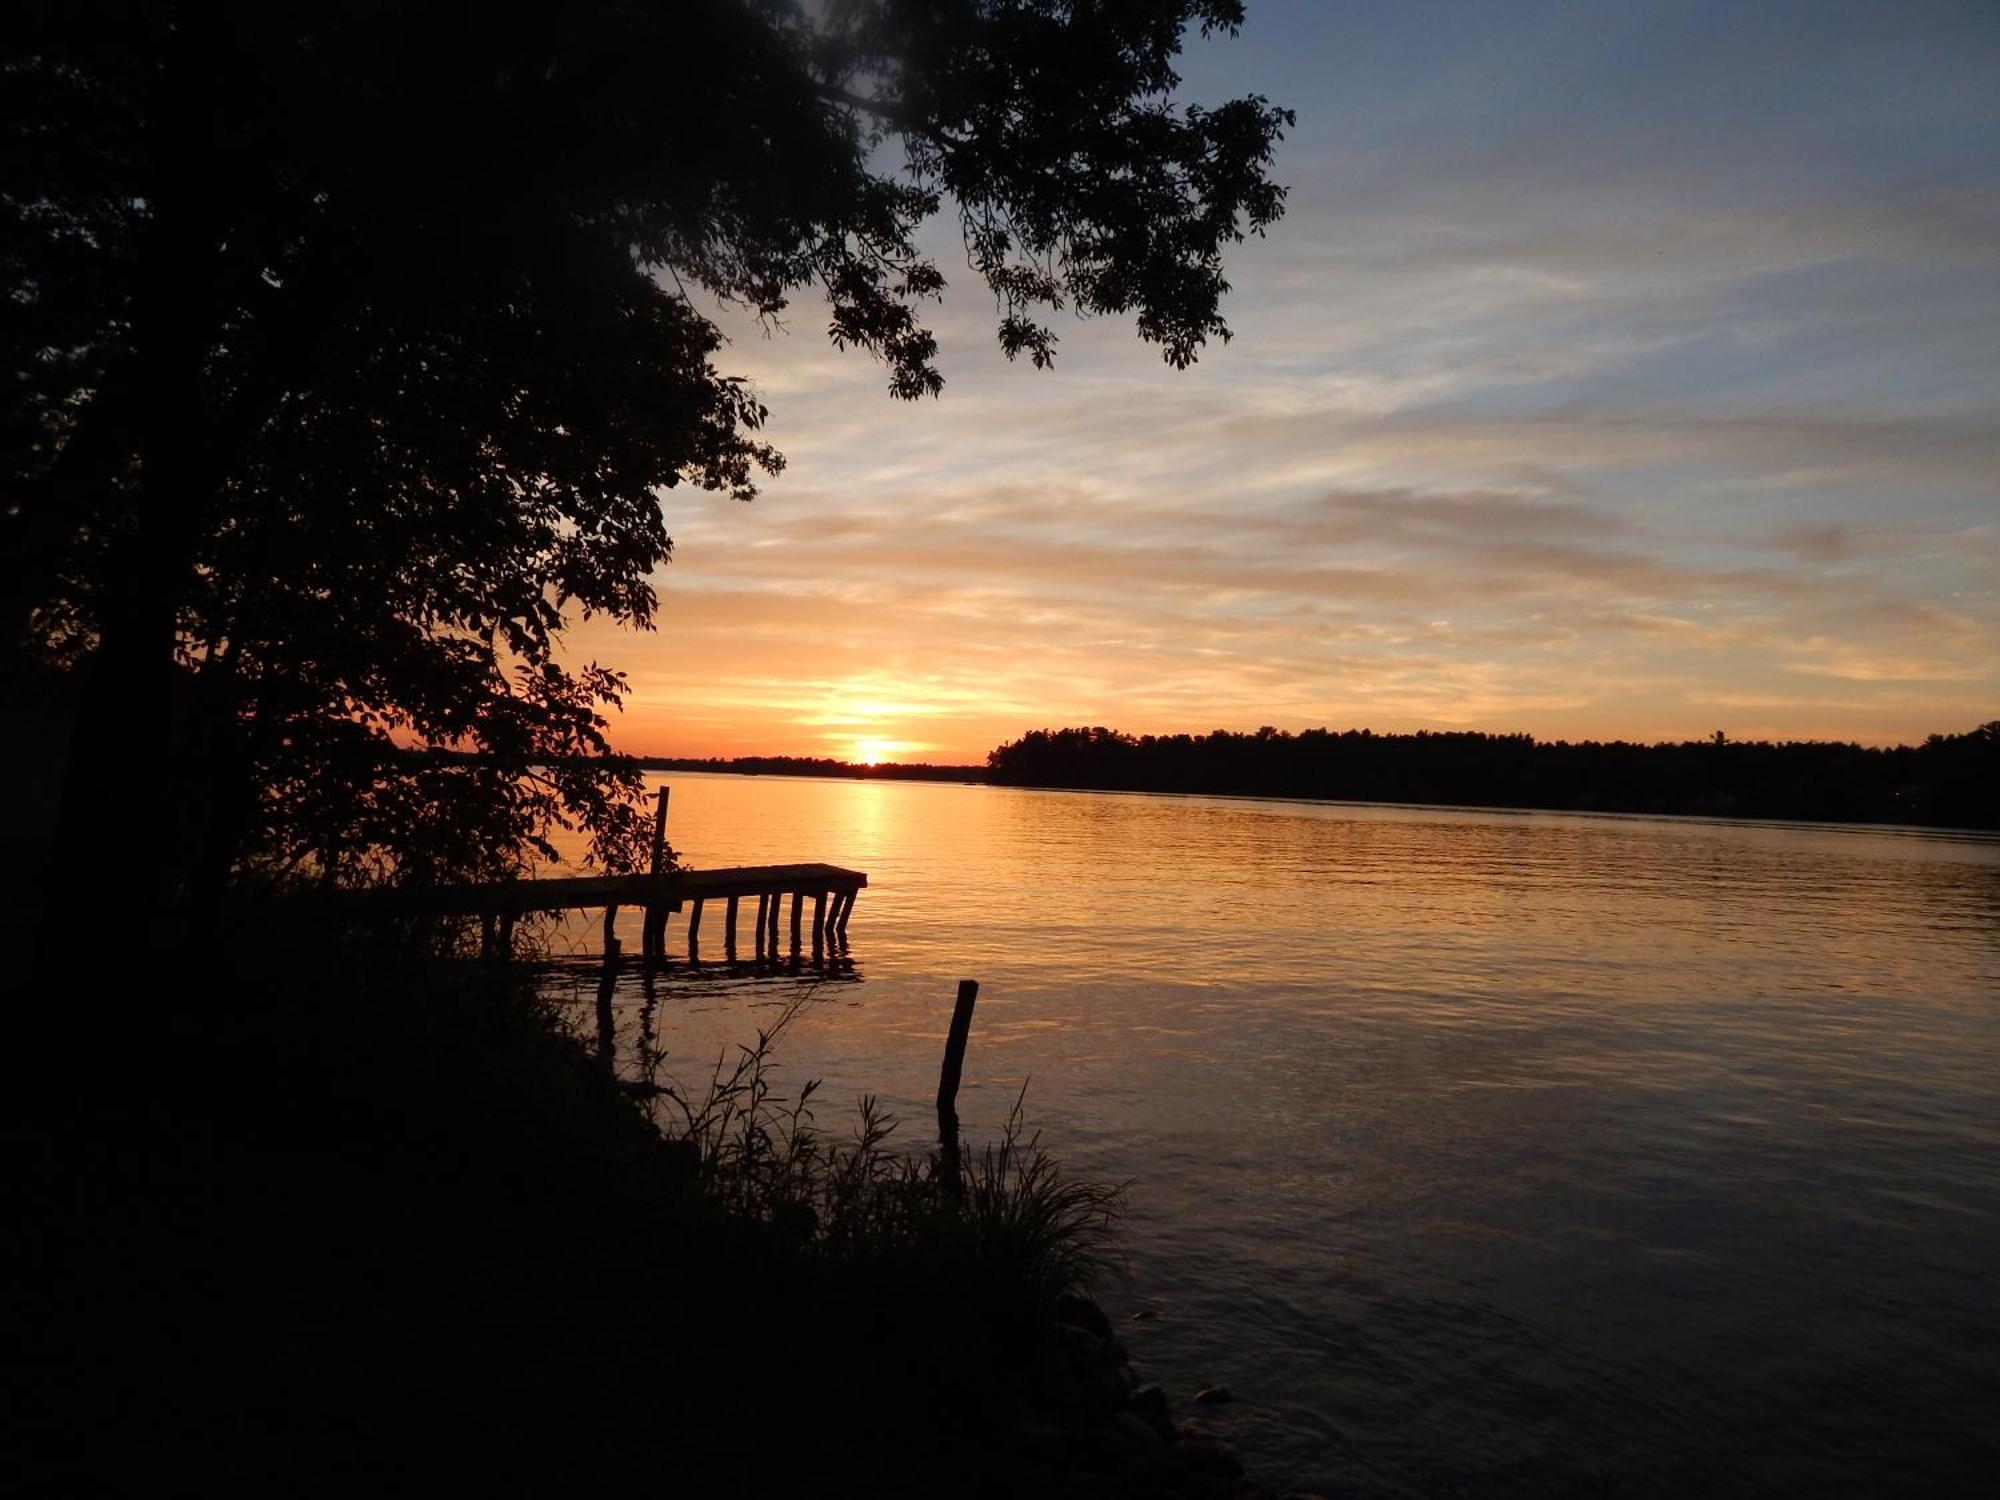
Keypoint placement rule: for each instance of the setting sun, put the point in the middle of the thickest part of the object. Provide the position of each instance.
(873, 752)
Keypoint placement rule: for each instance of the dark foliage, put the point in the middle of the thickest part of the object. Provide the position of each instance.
(1949, 780)
(351, 347)
(369, 1220)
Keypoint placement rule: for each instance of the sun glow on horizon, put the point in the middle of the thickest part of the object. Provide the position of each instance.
(874, 752)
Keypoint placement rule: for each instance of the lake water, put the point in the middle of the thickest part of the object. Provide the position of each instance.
(1478, 1153)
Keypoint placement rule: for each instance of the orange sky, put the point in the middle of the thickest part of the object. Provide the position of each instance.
(1562, 401)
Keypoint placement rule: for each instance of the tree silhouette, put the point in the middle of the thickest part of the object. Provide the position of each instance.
(1950, 780)
(352, 346)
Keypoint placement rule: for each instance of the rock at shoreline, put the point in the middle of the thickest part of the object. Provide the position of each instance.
(1141, 1436)
(1205, 1455)
(1087, 1375)
(1149, 1402)
(1094, 1433)
(1082, 1312)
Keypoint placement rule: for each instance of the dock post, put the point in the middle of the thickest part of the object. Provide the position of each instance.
(486, 934)
(607, 1026)
(694, 932)
(948, 1079)
(798, 904)
(763, 908)
(653, 934)
(729, 930)
(771, 932)
(819, 925)
(610, 942)
(846, 911)
(660, 834)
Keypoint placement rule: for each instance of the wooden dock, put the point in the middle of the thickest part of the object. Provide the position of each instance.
(499, 904)
(831, 889)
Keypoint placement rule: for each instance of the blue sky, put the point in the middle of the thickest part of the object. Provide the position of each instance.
(1618, 370)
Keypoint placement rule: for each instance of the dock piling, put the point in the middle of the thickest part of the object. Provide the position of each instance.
(660, 835)
(607, 1027)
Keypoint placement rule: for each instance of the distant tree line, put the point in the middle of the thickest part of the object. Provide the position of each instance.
(803, 765)
(1951, 780)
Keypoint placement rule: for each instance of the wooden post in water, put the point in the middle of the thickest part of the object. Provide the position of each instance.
(819, 925)
(846, 911)
(798, 905)
(948, 1079)
(694, 931)
(610, 942)
(729, 930)
(771, 933)
(763, 908)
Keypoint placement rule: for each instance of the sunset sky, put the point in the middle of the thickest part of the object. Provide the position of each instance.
(1618, 370)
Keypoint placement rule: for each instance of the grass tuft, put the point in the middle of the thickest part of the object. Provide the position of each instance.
(1015, 1217)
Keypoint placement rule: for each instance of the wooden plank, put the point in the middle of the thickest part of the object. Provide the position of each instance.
(665, 893)
(758, 880)
(518, 897)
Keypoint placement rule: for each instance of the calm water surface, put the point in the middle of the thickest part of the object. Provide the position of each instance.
(1479, 1153)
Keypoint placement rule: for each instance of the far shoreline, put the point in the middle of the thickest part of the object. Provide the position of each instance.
(975, 776)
